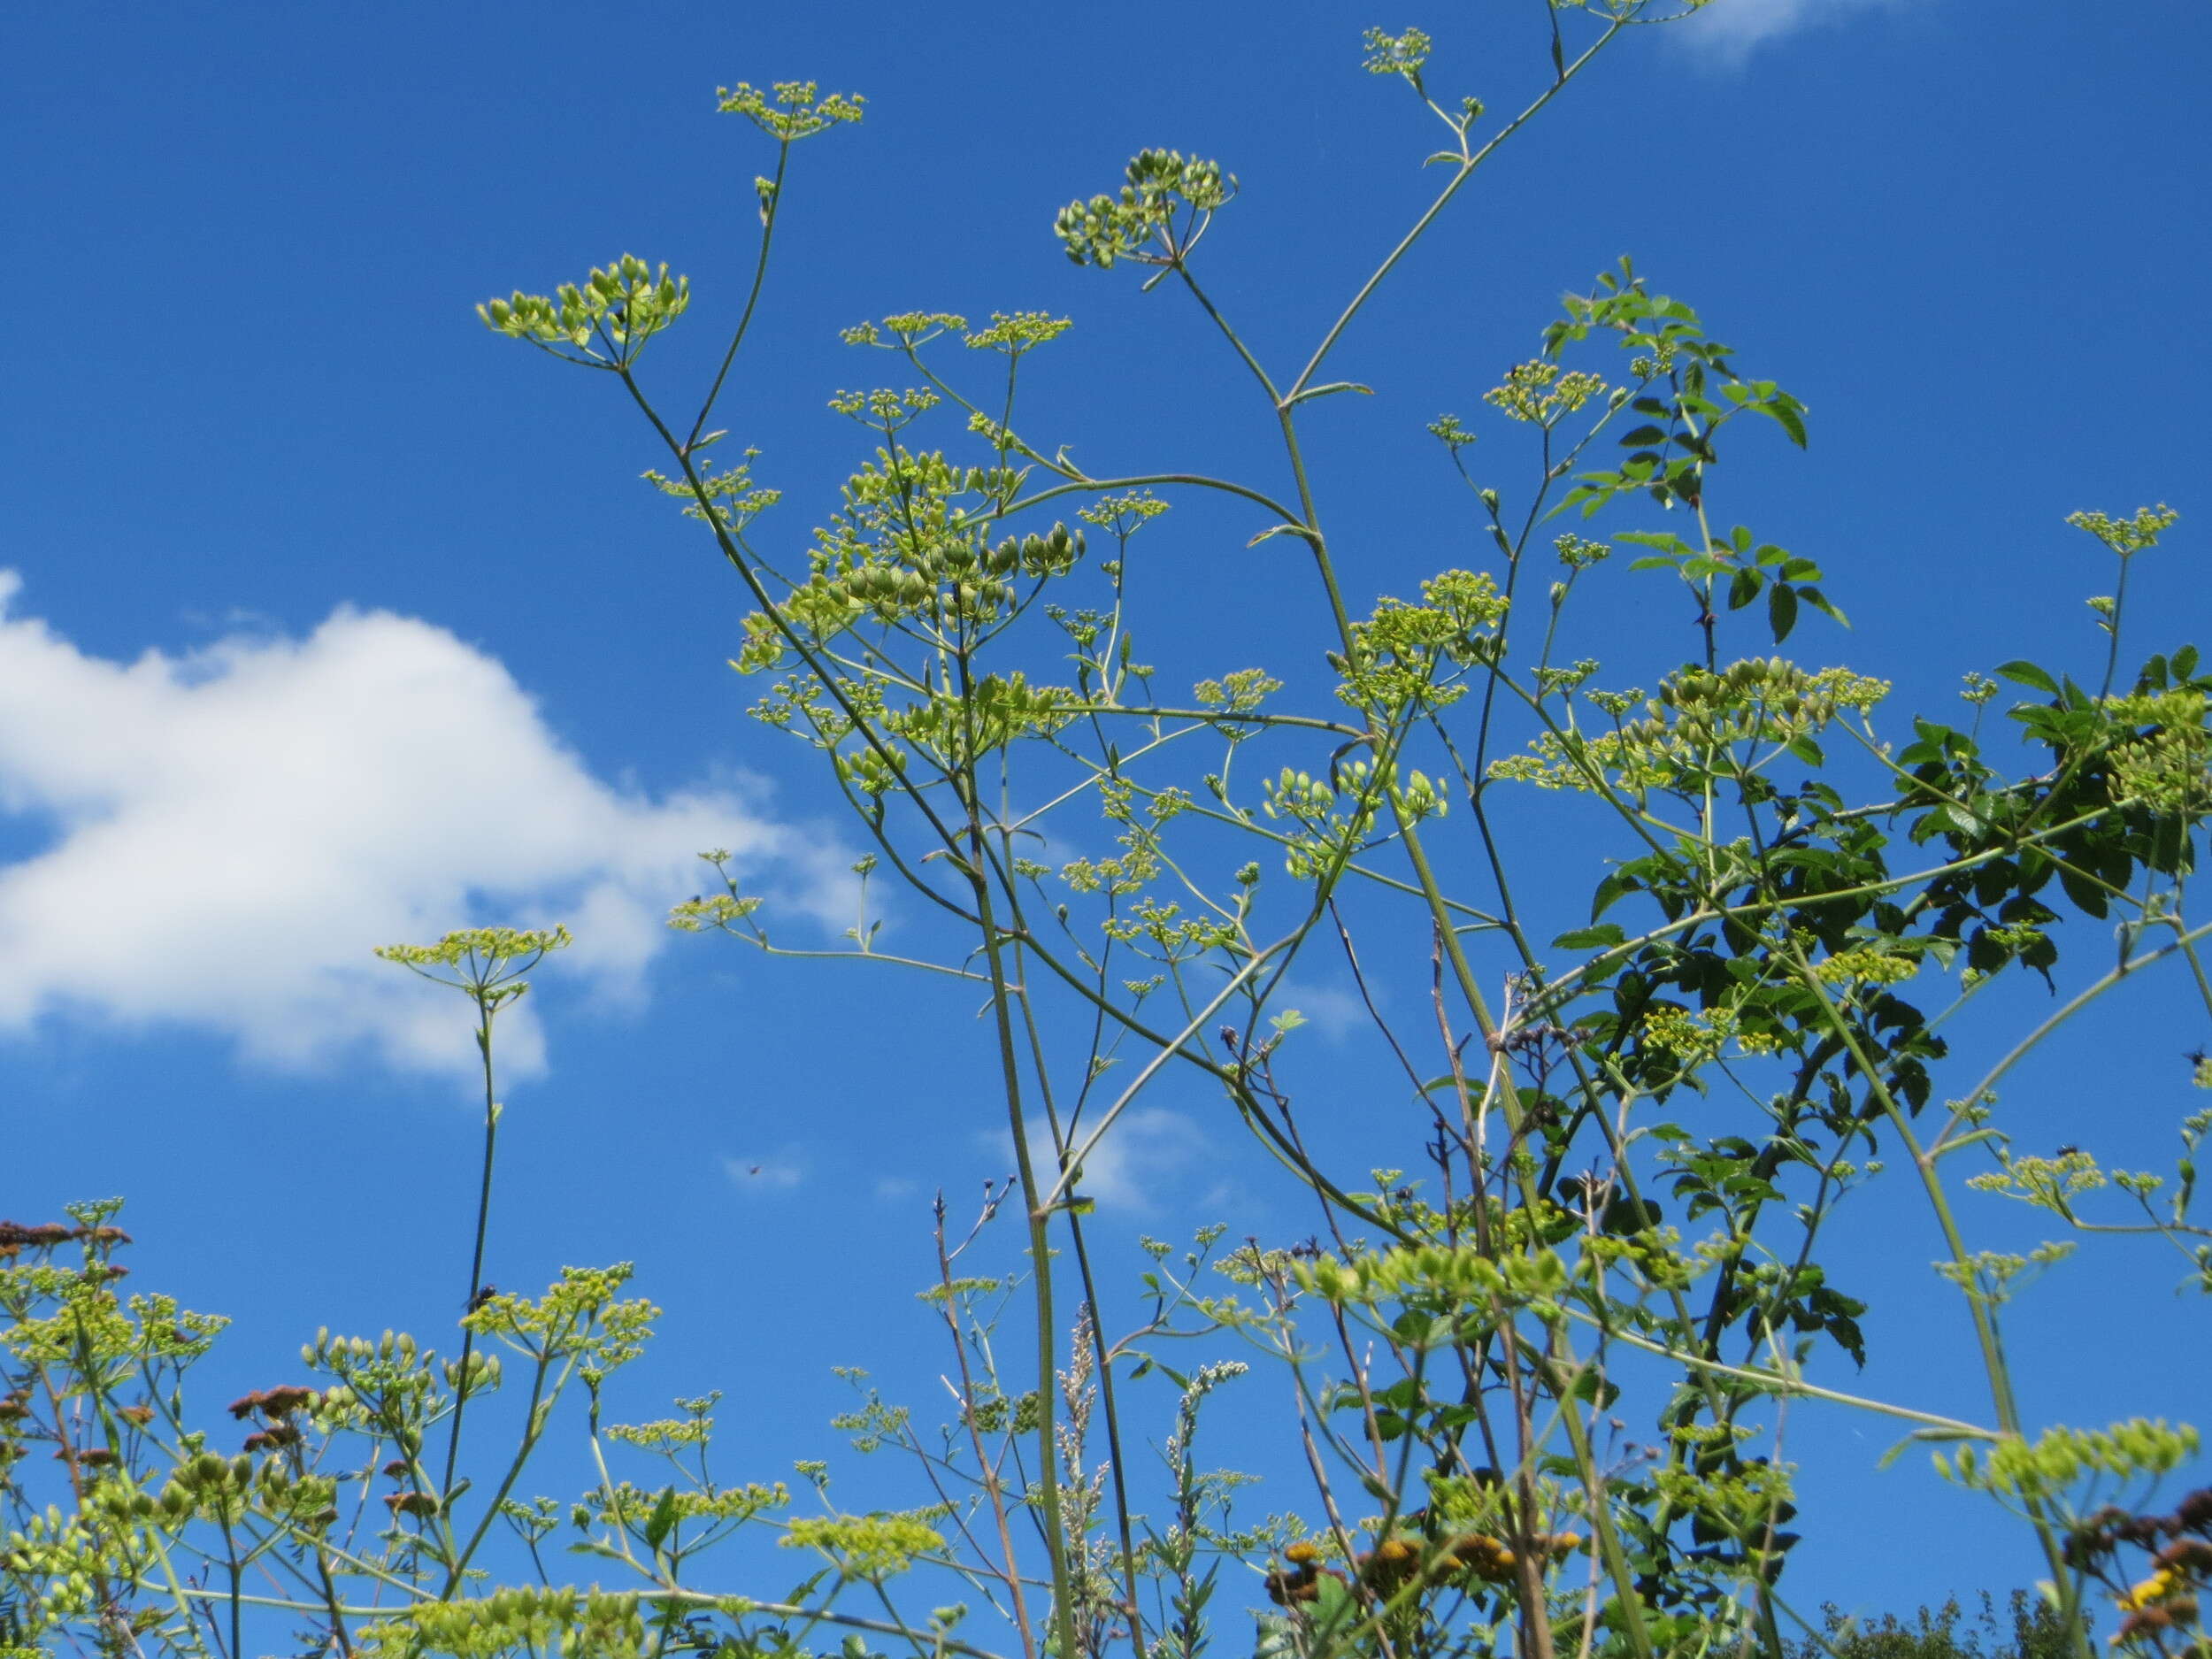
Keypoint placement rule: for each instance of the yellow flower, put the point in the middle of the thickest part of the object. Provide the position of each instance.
(2145, 1593)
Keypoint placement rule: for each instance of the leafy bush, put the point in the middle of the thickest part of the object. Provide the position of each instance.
(2028, 1628)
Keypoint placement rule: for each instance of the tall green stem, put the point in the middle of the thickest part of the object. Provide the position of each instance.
(484, 1015)
(1038, 1213)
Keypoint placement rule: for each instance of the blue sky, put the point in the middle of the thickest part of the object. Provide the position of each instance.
(268, 481)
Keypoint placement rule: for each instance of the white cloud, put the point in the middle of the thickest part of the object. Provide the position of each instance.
(1334, 1012)
(1730, 30)
(1146, 1147)
(231, 831)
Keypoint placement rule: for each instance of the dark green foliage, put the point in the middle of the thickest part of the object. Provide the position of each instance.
(2027, 1628)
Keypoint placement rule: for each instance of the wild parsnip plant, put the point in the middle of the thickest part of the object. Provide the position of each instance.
(1539, 1384)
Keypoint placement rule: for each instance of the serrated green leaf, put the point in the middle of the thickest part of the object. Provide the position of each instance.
(2026, 673)
(1781, 610)
(663, 1520)
(1786, 412)
(1597, 938)
(1821, 602)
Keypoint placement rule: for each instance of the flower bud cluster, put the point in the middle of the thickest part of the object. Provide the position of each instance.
(1400, 659)
(1698, 715)
(1455, 1275)
(1539, 393)
(526, 1617)
(2130, 536)
(2168, 769)
(1396, 1562)
(943, 578)
(866, 1546)
(2138, 1448)
(605, 320)
(1160, 184)
(790, 110)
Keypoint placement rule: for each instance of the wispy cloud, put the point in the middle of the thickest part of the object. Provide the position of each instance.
(226, 833)
(1334, 1011)
(1731, 30)
(1146, 1148)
